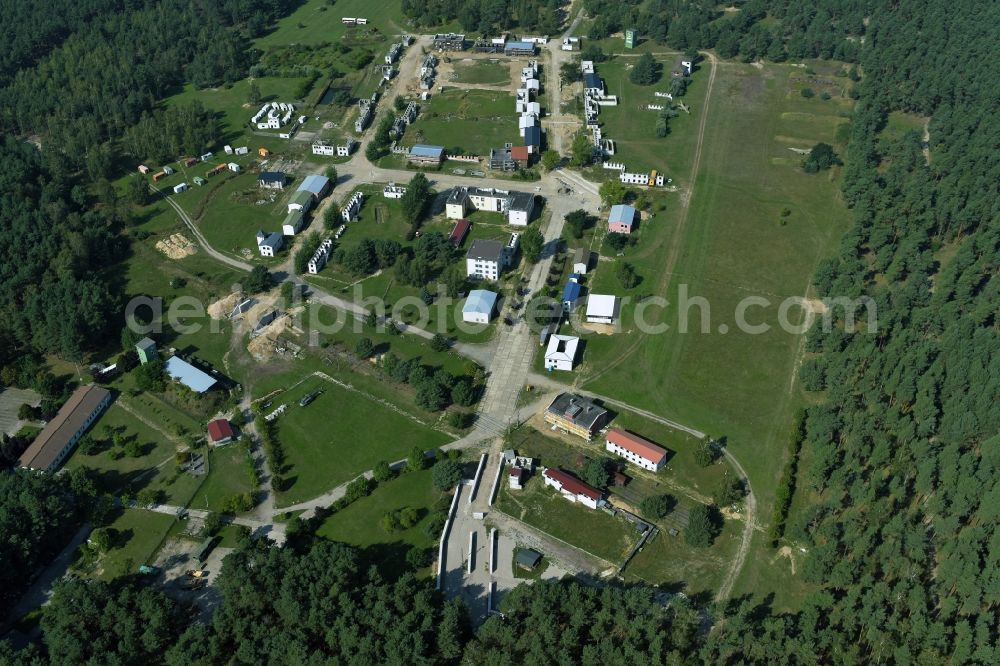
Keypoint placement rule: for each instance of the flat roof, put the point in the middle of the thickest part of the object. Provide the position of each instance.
(601, 305)
(480, 301)
(195, 379)
(519, 45)
(637, 445)
(488, 250)
(54, 437)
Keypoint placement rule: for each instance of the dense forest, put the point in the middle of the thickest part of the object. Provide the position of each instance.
(489, 16)
(897, 497)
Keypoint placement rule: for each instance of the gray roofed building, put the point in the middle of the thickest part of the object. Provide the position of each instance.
(576, 414)
(528, 558)
(486, 250)
(57, 438)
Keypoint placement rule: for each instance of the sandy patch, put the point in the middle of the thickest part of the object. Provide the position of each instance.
(177, 246)
(221, 308)
(600, 329)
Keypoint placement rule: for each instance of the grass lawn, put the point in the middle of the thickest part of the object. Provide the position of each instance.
(667, 559)
(590, 530)
(358, 524)
(228, 475)
(340, 435)
(633, 127)
(735, 384)
(317, 22)
(488, 72)
(466, 121)
(528, 574)
(137, 537)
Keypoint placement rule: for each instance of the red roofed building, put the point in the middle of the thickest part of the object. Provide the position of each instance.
(521, 156)
(516, 478)
(220, 432)
(573, 488)
(636, 450)
(459, 232)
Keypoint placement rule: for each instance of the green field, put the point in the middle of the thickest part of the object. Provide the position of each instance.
(667, 559)
(737, 385)
(136, 537)
(317, 21)
(633, 127)
(154, 469)
(340, 435)
(358, 524)
(228, 475)
(486, 72)
(591, 530)
(466, 121)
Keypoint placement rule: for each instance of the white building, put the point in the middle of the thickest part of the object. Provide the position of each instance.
(517, 206)
(636, 450)
(353, 206)
(601, 309)
(393, 191)
(486, 259)
(324, 149)
(227, 149)
(180, 187)
(479, 306)
(293, 223)
(320, 257)
(641, 178)
(572, 488)
(234, 167)
(345, 149)
(561, 352)
(269, 243)
(242, 150)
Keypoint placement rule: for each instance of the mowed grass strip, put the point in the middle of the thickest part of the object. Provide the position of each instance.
(339, 435)
(137, 535)
(318, 22)
(590, 530)
(485, 72)
(228, 475)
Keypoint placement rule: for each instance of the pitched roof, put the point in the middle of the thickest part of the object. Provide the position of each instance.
(480, 301)
(637, 445)
(272, 177)
(195, 379)
(572, 484)
(577, 409)
(519, 153)
(532, 136)
(423, 150)
(571, 292)
(219, 429)
(622, 213)
(459, 231)
(562, 347)
(591, 80)
(314, 184)
(521, 201)
(50, 442)
(302, 197)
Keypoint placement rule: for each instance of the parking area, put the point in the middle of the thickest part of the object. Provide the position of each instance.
(11, 400)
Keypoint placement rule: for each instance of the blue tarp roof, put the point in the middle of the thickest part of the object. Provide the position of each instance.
(187, 374)
(571, 292)
(622, 213)
(423, 150)
(480, 301)
(314, 184)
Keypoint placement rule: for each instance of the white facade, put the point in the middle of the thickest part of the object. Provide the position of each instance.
(242, 150)
(484, 269)
(323, 149)
(353, 207)
(269, 244)
(561, 352)
(234, 167)
(640, 179)
(181, 187)
(345, 149)
(585, 500)
(320, 257)
(633, 458)
(393, 191)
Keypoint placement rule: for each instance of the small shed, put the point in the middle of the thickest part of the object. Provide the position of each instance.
(263, 152)
(527, 558)
(146, 349)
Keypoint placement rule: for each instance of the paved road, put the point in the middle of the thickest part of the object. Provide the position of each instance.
(40, 590)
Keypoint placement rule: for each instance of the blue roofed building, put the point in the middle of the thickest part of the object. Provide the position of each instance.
(272, 180)
(479, 306)
(570, 296)
(533, 139)
(622, 219)
(315, 185)
(592, 83)
(195, 379)
(425, 154)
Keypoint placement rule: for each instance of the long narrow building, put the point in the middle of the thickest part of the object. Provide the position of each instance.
(56, 440)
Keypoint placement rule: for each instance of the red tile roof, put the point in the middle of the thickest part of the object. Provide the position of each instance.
(219, 429)
(572, 484)
(637, 445)
(516, 472)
